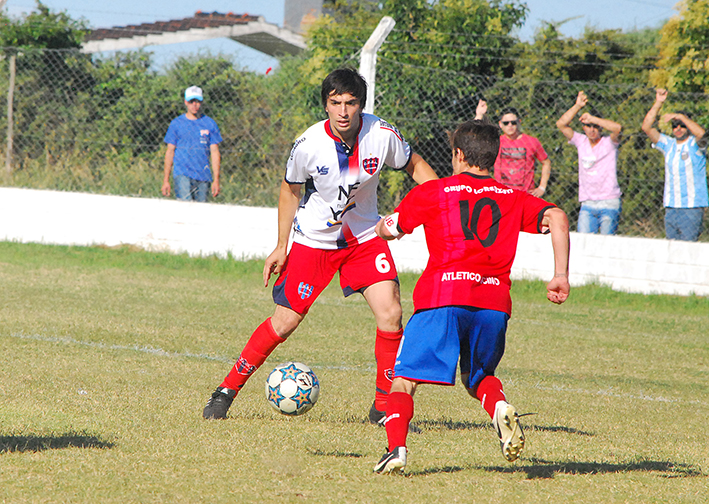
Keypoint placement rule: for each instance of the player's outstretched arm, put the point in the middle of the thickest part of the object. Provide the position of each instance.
(387, 227)
(420, 170)
(288, 202)
(558, 223)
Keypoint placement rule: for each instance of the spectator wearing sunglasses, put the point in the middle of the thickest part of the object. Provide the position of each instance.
(685, 196)
(599, 192)
(515, 163)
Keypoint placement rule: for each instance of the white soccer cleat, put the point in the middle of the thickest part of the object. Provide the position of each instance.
(506, 422)
(393, 461)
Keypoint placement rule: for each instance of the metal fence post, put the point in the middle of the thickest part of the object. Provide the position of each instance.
(10, 99)
(368, 58)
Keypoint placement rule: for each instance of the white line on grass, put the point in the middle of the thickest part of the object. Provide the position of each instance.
(164, 353)
(156, 351)
(611, 392)
(136, 348)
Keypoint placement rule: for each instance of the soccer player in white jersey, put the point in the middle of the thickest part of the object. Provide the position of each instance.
(329, 199)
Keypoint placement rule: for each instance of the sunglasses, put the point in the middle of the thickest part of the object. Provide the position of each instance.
(507, 123)
(194, 100)
(596, 126)
(678, 123)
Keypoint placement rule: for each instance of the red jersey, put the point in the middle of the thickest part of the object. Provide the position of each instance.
(514, 165)
(472, 224)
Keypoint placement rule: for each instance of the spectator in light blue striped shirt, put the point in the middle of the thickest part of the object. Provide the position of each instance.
(685, 197)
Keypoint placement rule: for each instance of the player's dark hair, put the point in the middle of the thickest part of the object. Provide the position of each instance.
(479, 142)
(344, 80)
(509, 110)
(685, 113)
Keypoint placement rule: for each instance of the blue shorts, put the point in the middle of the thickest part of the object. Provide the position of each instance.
(434, 339)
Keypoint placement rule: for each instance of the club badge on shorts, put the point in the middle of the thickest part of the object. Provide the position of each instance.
(305, 290)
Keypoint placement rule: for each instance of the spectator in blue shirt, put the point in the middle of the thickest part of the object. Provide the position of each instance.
(192, 140)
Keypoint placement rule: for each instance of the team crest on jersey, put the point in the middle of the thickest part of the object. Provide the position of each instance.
(305, 290)
(322, 170)
(370, 165)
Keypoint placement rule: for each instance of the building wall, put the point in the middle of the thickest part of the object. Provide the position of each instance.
(625, 263)
(299, 13)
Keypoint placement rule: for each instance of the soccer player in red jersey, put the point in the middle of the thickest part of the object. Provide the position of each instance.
(462, 300)
(328, 202)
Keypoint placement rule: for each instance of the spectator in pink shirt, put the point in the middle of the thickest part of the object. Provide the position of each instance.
(514, 165)
(599, 192)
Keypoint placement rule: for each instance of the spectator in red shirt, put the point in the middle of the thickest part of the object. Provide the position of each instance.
(515, 163)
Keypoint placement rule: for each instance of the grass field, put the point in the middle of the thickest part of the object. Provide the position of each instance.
(108, 357)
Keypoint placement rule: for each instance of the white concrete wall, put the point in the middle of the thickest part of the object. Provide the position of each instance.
(26, 215)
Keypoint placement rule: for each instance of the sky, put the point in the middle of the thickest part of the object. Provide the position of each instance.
(600, 14)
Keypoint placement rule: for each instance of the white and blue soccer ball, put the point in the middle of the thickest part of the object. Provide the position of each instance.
(292, 388)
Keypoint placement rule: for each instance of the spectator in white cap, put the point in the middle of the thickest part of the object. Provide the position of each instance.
(192, 142)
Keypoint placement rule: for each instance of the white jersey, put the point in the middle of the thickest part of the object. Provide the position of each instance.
(339, 204)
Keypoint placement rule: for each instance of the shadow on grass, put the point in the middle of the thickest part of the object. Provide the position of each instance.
(556, 428)
(33, 443)
(543, 469)
(448, 424)
(335, 453)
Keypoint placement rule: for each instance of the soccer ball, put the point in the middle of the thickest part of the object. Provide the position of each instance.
(292, 388)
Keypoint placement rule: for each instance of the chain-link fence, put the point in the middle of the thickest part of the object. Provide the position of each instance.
(97, 125)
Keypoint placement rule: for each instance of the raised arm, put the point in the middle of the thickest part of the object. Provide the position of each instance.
(481, 110)
(694, 129)
(612, 126)
(420, 170)
(288, 201)
(649, 121)
(558, 224)
(568, 116)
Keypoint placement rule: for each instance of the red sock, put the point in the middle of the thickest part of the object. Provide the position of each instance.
(400, 411)
(386, 347)
(489, 392)
(260, 345)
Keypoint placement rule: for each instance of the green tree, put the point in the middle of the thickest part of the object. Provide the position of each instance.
(51, 74)
(684, 50)
(41, 29)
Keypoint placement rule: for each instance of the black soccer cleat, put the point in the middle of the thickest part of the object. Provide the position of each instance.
(377, 417)
(393, 461)
(219, 403)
